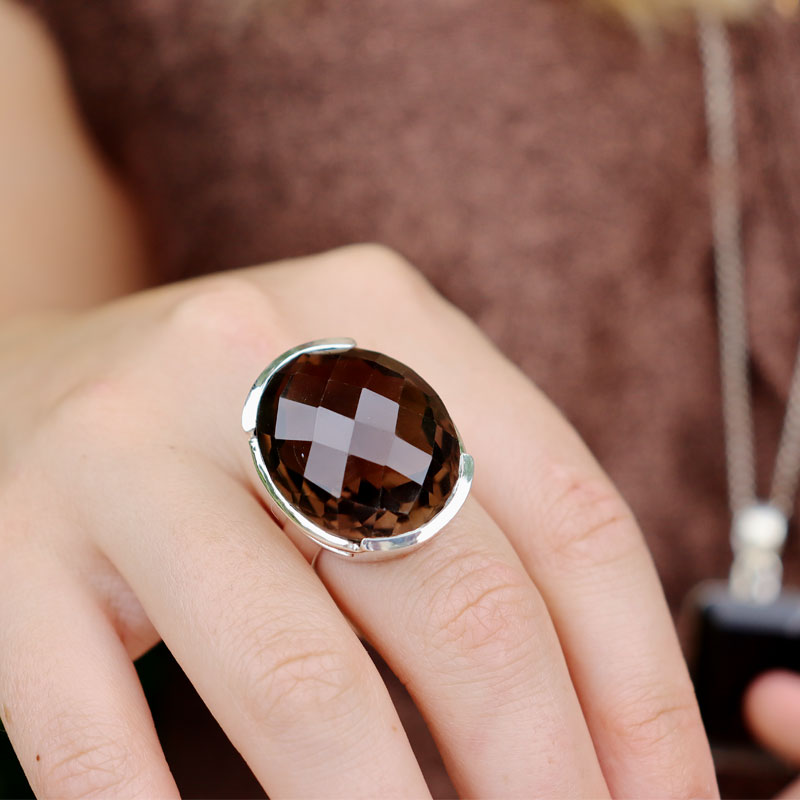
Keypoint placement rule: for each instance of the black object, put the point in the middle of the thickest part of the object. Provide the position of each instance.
(730, 643)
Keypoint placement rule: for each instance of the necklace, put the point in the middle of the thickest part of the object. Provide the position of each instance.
(759, 527)
(745, 626)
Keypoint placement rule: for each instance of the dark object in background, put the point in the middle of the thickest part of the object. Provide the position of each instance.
(729, 644)
(12, 778)
(203, 761)
(733, 643)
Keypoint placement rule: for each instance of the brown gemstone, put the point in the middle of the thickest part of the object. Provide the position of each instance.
(357, 442)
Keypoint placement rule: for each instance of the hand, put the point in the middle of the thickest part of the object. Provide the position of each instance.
(532, 633)
(772, 710)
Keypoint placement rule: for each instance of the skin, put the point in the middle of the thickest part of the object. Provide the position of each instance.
(512, 629)
(532, 633)
(70, 234)
(772, 710)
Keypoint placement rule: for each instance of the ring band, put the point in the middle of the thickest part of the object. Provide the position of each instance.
(355, 449)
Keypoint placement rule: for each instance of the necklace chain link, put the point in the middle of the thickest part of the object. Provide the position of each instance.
(759, 528)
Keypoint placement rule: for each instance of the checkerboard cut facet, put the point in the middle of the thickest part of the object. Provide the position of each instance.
(357, 442)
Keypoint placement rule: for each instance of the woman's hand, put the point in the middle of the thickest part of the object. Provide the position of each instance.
(532, 633)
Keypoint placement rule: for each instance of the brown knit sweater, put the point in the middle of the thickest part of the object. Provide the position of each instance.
(544, 169)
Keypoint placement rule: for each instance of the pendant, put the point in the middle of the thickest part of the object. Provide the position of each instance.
(730, 642)
(736, 630)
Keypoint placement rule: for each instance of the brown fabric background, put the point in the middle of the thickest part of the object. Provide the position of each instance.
(544, 169)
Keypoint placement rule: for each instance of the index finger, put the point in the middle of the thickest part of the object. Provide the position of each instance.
(574, 533)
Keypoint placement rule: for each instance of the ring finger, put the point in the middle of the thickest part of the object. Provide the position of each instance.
(462, 625)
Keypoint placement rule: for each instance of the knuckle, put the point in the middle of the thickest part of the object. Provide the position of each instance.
(225, 311)
(86, 759)
(587, 522)
(650, 718)
(480, 608)
(287, 678)
(384, 257)
(95, 409)
(370, 262)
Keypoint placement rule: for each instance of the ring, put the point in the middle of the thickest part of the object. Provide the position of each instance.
(355, 449)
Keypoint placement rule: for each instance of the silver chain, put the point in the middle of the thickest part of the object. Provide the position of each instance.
(759, 528)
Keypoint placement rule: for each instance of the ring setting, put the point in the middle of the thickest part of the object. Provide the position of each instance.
(355, 449)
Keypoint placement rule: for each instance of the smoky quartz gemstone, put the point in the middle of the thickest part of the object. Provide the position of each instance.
(357, 442)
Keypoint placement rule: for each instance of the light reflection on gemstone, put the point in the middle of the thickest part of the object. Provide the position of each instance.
(358, 442)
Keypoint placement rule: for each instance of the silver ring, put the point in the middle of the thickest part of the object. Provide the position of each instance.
(355, 449)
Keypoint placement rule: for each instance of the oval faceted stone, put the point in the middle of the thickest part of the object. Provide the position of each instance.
(357, 442)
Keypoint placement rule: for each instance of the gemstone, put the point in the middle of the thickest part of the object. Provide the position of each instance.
(357, 442)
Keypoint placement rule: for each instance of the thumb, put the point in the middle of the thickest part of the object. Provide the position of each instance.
(772, 711)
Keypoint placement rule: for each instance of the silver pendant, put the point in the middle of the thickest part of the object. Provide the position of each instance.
(736, 630)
